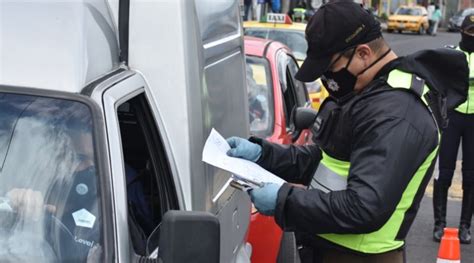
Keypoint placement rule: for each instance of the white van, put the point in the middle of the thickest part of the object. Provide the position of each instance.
(104, 111)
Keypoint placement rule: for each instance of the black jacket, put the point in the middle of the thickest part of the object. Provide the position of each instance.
(390, 133)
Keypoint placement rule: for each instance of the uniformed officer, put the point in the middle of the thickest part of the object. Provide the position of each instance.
(461, 125)
(376, 140)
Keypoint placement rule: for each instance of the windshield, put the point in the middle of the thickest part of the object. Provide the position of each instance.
(295, 40)
(260, 92)
(408, 11)
(49, 196)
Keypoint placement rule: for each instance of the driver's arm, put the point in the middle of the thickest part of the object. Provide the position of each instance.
(29, 203)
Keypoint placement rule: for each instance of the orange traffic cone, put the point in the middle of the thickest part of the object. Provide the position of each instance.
(449, 249)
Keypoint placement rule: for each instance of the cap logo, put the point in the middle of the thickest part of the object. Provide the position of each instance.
(471, 18)
(356, 32)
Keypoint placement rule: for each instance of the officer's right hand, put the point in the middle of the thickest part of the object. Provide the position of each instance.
(242, 148)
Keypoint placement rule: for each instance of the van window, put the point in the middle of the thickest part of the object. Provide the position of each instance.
(260, 92)
(49, 182)
(150, 187)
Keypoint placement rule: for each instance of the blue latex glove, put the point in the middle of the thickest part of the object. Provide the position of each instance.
(265, 198)
(244, 149)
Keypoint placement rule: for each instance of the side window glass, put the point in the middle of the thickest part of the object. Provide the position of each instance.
(282, 60)
(286, 84)
(260, 92)
(300, 89)
(150, 188)
(50, 198)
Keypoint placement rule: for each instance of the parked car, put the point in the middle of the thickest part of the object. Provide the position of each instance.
(274, 95)
(409, 18)
(293, 36)
(454, 23)
(104, 114)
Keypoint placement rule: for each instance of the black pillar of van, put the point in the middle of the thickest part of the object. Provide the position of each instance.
(123, 29)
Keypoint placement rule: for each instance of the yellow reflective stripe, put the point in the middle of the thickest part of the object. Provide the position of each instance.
(383, 240)
(326, 180)
(471, 69)
(400, 79)
(337, 166)
(467, 107)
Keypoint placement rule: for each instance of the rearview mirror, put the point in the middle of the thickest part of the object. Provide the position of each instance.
(189, 236)
(304, 118)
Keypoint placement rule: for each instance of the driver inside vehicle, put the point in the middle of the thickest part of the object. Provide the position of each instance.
(50, 208)
(79, 212)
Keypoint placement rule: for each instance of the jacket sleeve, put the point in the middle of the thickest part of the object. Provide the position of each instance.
(386, 152)
(295, 164)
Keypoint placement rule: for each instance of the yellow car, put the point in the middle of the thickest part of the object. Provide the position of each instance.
(293, 36)
(409, 18)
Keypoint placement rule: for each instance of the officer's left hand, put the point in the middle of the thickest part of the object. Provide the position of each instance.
(265, 198)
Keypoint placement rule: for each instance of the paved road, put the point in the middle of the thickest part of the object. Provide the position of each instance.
(404, 44)
(420, 247)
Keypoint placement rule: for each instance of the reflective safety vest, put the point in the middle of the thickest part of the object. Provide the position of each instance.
(468, 106)
(299, 13)
(332, 174)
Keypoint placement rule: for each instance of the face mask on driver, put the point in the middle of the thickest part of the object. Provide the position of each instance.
(340, 84)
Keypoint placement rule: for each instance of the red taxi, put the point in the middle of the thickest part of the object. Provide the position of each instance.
(274, 94)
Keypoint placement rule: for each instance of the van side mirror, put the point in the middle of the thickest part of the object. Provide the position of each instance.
(189, 236)
(304, 118)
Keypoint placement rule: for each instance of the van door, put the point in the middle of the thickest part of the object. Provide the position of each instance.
(143, 182)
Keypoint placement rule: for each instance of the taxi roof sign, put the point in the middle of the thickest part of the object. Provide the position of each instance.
(278, 18)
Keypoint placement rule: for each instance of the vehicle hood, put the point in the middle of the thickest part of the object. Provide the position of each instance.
(445, 71)
(406, 18)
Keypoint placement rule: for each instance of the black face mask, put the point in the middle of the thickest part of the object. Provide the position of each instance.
(340, 85)
(467, 43)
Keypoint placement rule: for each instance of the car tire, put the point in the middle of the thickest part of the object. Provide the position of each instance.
(288, 252)
(400, 31)
(389, 30)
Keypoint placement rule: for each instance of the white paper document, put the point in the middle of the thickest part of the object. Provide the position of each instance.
(215, 154)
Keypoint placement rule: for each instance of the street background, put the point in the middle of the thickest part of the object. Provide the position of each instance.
(381, 8)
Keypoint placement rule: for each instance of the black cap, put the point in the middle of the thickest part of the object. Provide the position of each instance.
(468, 22)
(335, 27)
